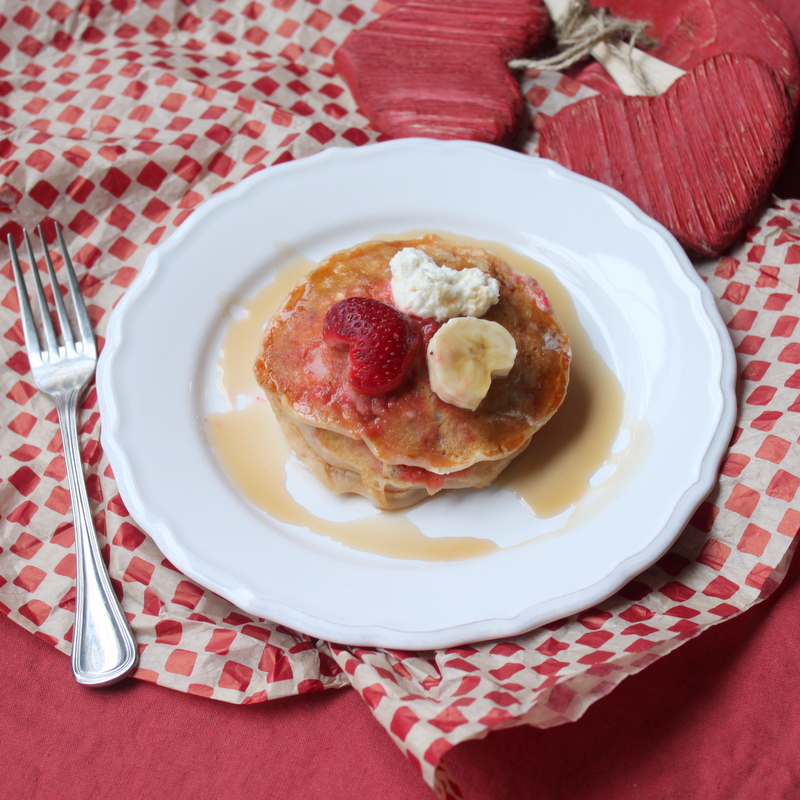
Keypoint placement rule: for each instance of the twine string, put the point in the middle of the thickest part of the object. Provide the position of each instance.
(581, 29)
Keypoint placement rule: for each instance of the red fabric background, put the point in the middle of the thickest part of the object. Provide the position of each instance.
(719, 718)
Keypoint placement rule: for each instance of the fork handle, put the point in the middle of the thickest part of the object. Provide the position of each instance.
(103, 648)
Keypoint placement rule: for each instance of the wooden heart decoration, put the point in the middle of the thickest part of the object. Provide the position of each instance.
(439, 69)
(690, 31)
(700, 159)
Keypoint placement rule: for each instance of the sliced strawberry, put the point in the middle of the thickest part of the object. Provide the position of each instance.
(383, 342)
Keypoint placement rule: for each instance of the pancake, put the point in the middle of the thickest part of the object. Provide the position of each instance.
(408, 444)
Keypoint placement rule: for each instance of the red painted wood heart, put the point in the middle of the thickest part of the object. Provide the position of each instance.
(700, 159)
(438, 69)
(690, 31)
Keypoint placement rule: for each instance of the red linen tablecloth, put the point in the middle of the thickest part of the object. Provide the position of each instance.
(713, 719)
(719, 719)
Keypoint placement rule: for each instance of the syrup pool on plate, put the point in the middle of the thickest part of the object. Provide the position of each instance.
(575, 465)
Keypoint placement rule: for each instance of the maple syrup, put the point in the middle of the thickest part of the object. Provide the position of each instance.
(553, 476)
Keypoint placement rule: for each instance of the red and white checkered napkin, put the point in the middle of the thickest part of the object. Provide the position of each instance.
(117, 120)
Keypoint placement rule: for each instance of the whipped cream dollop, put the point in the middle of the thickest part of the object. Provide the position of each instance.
(423, 288)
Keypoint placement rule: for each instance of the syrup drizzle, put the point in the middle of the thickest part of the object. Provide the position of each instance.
(551, 477)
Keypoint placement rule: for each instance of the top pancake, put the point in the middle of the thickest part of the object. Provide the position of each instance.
(411, 425)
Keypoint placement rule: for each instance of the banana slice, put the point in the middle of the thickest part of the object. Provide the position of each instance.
(463, 357)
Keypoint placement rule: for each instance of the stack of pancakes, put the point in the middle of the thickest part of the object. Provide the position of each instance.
(404, 446)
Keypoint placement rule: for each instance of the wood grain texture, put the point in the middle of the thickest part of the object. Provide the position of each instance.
(438, 69)
(701, 158)
(690, 31)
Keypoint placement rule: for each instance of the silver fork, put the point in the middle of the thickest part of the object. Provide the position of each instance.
(103, 647)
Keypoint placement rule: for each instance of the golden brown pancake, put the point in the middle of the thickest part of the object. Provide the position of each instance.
(401, 447)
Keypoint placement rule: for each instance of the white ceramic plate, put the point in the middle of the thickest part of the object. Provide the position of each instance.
(636, 294)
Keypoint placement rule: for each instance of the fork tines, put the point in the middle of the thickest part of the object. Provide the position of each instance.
(85, 338)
